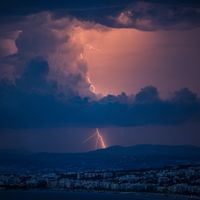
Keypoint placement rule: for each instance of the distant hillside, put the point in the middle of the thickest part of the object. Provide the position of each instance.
(115, 157)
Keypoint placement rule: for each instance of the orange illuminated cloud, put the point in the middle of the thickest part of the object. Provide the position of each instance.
(88, 58)
(112, 56)
(128, 59)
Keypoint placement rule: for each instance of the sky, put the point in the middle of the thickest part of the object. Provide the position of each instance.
(130, 68)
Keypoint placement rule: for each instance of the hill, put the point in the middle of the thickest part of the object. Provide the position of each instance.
(115, 157)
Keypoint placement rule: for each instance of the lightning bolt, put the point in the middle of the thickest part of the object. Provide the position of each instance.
(92, 88)
(90, 137)
(99, 139)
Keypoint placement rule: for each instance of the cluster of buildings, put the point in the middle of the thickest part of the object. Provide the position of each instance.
(177, 180)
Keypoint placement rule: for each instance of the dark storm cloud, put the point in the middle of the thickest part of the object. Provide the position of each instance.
(32, 102)
(144, 15)
(150, 16)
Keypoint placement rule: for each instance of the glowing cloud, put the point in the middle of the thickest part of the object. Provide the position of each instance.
(86, 58)
(58, 41)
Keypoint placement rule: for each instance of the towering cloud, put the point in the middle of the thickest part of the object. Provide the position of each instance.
(44, 74)
(54, 40)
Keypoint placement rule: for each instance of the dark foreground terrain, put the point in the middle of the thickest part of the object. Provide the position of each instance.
(166, 170)
(112, 158)
(61, 195)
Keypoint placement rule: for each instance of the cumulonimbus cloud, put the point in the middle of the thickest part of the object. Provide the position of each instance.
(56, 41)
(44, 82)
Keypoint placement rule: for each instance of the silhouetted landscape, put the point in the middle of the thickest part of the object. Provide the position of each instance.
(141, 168)
(111, 158)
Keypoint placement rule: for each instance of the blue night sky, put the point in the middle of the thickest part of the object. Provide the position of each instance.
(130, 68)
